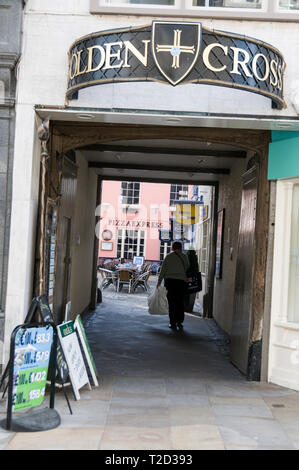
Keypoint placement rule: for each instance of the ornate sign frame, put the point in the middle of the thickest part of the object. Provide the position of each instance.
(177, 53)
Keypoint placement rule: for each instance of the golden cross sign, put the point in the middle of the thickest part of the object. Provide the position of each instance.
(175, 49)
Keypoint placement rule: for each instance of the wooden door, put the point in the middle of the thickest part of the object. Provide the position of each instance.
(242, 312)
(64, 240)
(63, 268)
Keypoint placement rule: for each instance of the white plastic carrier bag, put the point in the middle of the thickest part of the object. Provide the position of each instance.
(157, 302)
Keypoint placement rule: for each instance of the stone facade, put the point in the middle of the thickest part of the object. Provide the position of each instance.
(10, 46)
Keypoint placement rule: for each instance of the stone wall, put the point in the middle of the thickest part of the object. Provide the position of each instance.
(10, 40)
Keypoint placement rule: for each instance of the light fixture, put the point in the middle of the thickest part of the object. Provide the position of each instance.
(85, 116)
(284, 125)
(174, 119)
(295, 102)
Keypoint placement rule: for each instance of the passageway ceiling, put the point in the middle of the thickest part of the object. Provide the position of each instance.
(193, 155)
(163, 159)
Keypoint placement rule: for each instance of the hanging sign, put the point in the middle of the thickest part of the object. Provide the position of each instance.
(165, 235)
(51, 241)
(187, 214)
(204, 212)
(177, 52)
(73, 356)
(86, 349)
(31, 361)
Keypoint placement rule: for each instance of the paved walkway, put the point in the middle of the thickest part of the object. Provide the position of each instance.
(166, 390)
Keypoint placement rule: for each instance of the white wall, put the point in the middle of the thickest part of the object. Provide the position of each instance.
(23, 220)
(284, 335)
(52, 26)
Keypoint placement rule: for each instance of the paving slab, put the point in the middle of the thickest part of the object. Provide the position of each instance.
(164, 390)
(81, 438)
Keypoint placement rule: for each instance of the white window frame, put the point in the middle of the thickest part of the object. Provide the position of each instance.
(127, 204)
(102, 4)
(204, 249)
(166, 249)
(178, 196)
(281, 258)
(270, 11)
(122, 232)
(277, 8)
(228, 10)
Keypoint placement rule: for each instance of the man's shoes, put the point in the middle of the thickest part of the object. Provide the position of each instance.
(176, 327)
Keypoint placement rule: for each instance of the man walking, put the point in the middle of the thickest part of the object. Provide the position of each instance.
(173, 272)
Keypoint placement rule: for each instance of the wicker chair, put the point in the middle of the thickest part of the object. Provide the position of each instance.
(142, 281)
(108, 277)
(124, 277)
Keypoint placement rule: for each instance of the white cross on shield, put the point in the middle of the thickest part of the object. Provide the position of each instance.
(175, 48)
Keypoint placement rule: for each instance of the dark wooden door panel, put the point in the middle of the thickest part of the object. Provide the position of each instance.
(242, 313)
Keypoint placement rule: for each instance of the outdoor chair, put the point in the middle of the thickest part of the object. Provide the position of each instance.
(108, 277)
(142, 281)
(124, 277)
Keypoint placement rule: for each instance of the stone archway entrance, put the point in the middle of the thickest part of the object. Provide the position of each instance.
(68, 137)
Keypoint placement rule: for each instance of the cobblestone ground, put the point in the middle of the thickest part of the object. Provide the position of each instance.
(166, 390)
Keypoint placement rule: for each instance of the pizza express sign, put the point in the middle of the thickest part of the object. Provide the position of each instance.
(177, 52)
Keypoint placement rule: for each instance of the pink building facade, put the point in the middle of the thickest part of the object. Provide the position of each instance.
(132, 217)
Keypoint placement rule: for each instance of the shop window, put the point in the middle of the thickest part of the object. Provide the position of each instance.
(130, 192)
(2, 91)
(289, 4)
(130, 243)
(263, 9)
(204, 248)
(228, 3)
(139, 2)
(165, 249)
(293, 293)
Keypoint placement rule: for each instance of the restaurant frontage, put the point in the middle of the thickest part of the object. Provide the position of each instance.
(169, 102)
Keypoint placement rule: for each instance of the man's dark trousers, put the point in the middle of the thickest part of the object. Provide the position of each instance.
(175, 295)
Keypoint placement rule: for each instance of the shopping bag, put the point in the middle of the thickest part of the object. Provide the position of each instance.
(157, 302)
(194, 285)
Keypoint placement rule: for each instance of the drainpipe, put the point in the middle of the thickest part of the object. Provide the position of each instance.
(43, 135)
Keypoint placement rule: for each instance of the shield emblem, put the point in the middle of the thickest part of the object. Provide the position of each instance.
(175, 48)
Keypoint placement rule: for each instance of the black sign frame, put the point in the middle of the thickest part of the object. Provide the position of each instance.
(11, 366)
(40, 305)
(224, 59)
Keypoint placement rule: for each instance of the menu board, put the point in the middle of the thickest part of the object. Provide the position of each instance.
(86, 349)
(31, 361)
(41, 303)
(73, 356)
(51, 240)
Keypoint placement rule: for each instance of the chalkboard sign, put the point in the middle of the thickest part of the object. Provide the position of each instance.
(44, 308)
(41, 305)
(61, 364)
